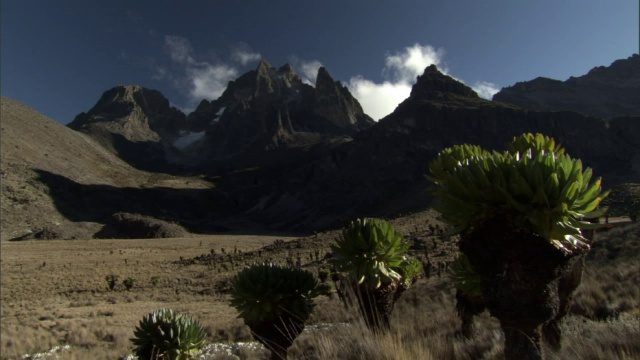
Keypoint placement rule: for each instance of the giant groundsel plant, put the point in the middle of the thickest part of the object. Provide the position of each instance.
(548, 190)
(275, 302)
(524, 216)
(373, 255)
(166, 334)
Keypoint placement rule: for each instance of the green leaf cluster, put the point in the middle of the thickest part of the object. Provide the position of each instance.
(465, 278)
(129, 282)
(371, 252)
(549, 192)
(265, 292)
(165, 334)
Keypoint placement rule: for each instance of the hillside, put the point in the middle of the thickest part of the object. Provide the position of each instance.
(41, 159)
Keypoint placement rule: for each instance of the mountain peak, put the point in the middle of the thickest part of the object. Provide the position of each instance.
(434, 84)
(324, 78)
(287, 69)
(264, 65)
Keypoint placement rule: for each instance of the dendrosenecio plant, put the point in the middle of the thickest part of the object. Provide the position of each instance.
(374, 258)
(469, 300)
(129, 282)
(525, 217)
(275, 302)
(112, 281)
(167, 335)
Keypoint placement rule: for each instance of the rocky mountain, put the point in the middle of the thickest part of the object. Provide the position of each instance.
(604, 92)
(268, 110)
(381, 172)
(261, 114)
(137, 124)
(272, 152)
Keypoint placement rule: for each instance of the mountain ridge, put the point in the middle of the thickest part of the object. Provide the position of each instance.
(605, 91)
(281, 175)
(263, 110)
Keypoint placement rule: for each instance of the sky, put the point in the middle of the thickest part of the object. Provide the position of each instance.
(59, 56)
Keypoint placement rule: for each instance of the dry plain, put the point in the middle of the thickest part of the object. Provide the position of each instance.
(54, 293)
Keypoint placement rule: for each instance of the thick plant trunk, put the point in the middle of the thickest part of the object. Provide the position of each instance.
(567, 286)
(520, 273)
(278, 335)
(522, 343)
(468, 307)
(376, 305)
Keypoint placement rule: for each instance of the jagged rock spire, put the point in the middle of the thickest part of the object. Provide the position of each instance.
(433, 82)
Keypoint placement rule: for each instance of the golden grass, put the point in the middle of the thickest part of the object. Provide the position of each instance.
(54, 293)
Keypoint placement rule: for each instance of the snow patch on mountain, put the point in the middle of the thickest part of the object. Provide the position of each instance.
(188, 139)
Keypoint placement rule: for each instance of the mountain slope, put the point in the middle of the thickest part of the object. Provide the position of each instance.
(381, 172)
(604, 92)
(47, 169)
(137, 124)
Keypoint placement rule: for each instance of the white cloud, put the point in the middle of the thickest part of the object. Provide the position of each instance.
(179, 49)
(203, 79)
(378, 100)
(209, 81)
(485, 89)
(244, 55)
(406, 66)
(160, 73)
(401, 69)
(399, 73)
(309, 71)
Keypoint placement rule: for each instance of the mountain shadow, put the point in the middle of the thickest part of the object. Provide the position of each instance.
(193, 209)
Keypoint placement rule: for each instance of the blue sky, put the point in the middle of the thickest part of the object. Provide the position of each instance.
(60, 56)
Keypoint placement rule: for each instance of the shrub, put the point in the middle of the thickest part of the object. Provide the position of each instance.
(129, 282)
(112, 280)
(165, 334)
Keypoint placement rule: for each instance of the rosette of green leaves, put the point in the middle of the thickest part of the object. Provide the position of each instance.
(165, 334)
(267, 291)
(465, 278)
(371, 252)
(547, 190)
(410, 269)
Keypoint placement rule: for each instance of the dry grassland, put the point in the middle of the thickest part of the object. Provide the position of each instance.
(55, 293)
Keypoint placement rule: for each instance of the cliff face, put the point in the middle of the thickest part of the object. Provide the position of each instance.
(137, 124)
(295, 157)
(381, 172)
(269, 110)
(604, 92)
(257, 119)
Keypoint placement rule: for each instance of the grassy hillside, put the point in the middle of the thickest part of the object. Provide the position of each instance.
(32, 145)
